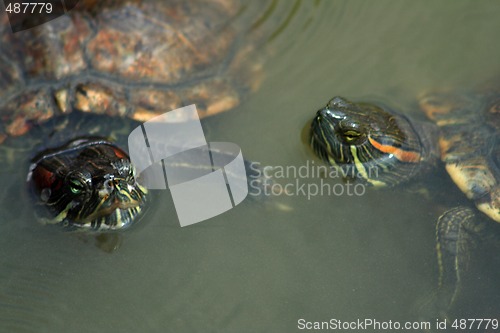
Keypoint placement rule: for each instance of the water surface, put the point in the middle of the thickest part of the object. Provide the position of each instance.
(265, 264)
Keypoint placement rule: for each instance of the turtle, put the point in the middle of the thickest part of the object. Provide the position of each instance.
(459, 131)
(72, 89)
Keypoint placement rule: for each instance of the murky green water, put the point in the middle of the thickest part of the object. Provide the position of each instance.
(264, 265)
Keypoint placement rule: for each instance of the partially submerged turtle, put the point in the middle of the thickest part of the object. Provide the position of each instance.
(73, 88)
(381, 147)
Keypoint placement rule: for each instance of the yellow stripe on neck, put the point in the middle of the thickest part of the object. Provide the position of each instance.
(362, 170)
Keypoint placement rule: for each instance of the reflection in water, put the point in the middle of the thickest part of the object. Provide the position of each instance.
(270, 10)
(31, 299)
(277, 17)
(256, 268)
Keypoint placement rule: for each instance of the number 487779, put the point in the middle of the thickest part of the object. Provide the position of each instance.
(475, 324)
(29, 7)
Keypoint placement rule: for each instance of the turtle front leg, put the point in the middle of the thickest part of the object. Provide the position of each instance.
(458, 232)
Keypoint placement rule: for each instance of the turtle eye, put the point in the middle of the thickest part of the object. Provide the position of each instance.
(351, 135)
(76, 186)
(78, 182)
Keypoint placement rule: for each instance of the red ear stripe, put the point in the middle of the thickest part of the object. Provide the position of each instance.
(43, 178)
(119, 153)
(400, 154)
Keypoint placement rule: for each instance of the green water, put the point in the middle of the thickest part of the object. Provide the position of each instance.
(264, 265)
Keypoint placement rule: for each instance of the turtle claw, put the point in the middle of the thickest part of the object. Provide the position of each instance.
(458, 232)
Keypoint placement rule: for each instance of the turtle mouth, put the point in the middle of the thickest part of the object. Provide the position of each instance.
(123, 205)
(118, 215)
(117, 210)
(116, 205)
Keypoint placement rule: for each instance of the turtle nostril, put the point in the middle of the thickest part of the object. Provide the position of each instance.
(322, 114)
(109, 184)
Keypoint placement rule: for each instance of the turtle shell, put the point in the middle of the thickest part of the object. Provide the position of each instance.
(469, 143)
(125, 58)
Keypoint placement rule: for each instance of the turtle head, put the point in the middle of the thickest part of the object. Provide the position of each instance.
(87, 185)
(366, 141)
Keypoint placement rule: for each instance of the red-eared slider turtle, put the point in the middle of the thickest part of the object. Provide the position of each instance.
(381, 147)
(75, 84)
